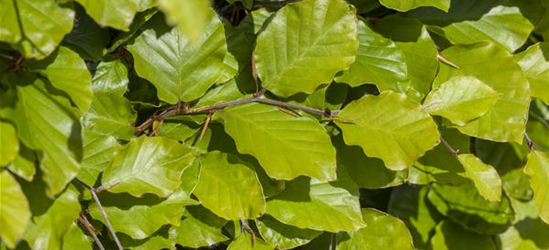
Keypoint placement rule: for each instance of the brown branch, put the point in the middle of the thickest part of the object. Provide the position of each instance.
(185, 110)
(103, 213)
(91, 230)
(447, 62)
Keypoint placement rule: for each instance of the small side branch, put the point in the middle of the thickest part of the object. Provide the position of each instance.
(103, 213)
(185, 110)
(91, 230)
(449, 147)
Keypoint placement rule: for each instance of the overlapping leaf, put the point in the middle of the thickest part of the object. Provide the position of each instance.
(285, 146)
(147, 165)
(110, 115)
(200, 228)
(535, 63)
(229, 187)
(191, 16)
(9, 142)
(485, 177)
(382, 231)
(284, 236)
(378, 61)
(34, 27)
(305, 45)
(117, 14)
(179, 68)
(111, 77)
(460, 99)
(389, 127)
(412, 4)
(307, 203)
(537, 168)
(14, 210)
(45, 122)
(450, 235)
(506, 120)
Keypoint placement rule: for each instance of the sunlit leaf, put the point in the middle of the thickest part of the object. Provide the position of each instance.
(535, 63)
(537, 168)
(485, 177)
(389, 127)
(9, 142)
(190, 16)
(14, 209)
(406, 5)
(284, 236)
(290, 61)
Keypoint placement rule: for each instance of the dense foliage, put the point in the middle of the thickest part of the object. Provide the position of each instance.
(314, 124)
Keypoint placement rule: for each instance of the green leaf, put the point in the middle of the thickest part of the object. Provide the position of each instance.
(305, 45)
(46, 122)
(34, 27)
(390, 127)
(178, 68)
(410, 205)
(537, 168)
(68, 72)
(323, 206)
(378, 61)
(9, 142)
(164, 238)
(452, 236)
(87, 38)
(529, 231)
(190, 16)
(24, 165)
(140, 217)
(364, 171)
(485, 177)
(116, 14)
(460, 99)
(382, 231)
(245, 242)
(51, 218)
(147, 165)
(199, 228)
(411, 37)
(229, 187)
(14, 209)
(111, 77)
(255, 22)
(284, 236)
(98, 151)
(463, 205)
(506, 120)
(74, 238)
(406, 5)
(535, 63)
(285, 146)
(110, 115)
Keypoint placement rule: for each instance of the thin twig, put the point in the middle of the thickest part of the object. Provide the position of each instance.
(449, 147)
(205, 127)
(447, 62)
(103, 213)
(84, 221)
(185, 110)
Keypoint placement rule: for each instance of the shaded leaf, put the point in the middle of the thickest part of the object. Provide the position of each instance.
(74, 238)
(199, 228)
(245, 242)
(289, 61)
(389, 127)
(98, 151)
(450, 236)
(284, 236)
(463, 205)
